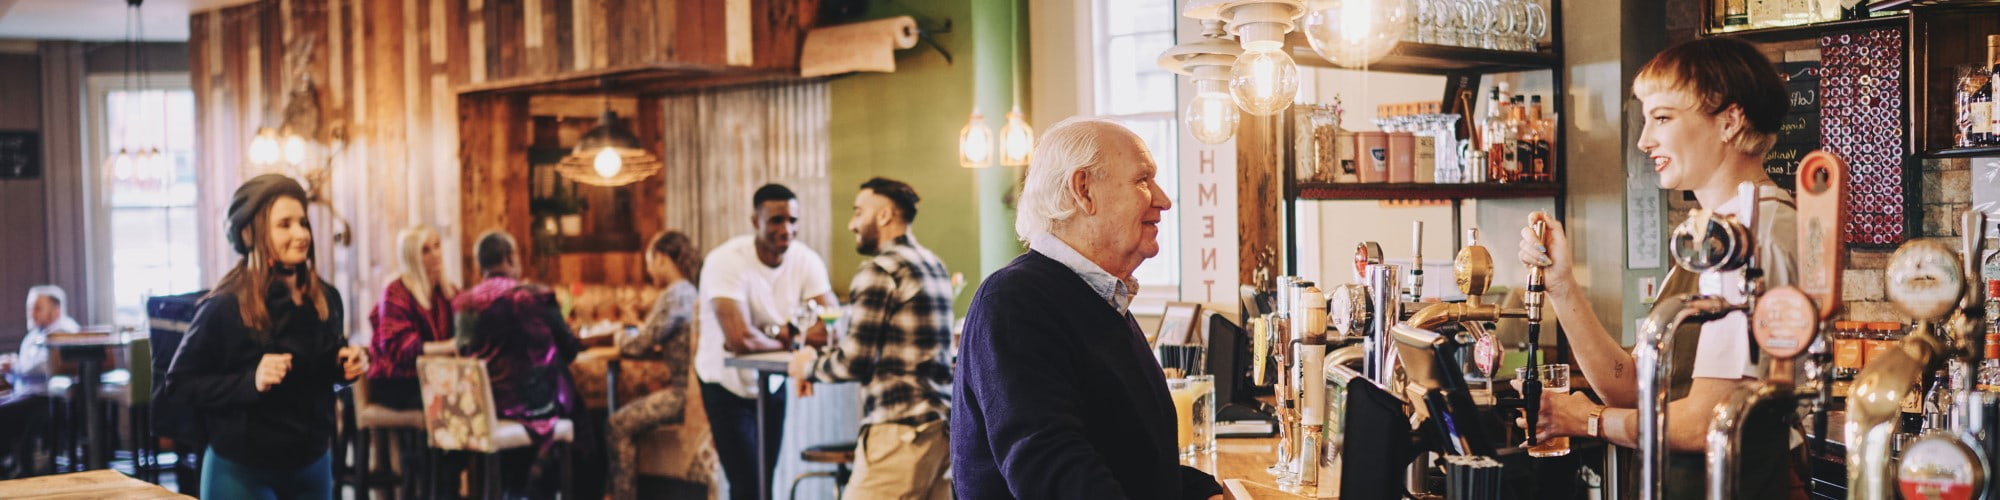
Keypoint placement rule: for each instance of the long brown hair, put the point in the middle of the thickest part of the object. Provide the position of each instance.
(250, 280)
(678, 248)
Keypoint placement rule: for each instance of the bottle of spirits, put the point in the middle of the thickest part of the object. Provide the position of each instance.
(1541, 141)
(1493, 134)
(1512, 147)
(1984, 95)
(1975, 107)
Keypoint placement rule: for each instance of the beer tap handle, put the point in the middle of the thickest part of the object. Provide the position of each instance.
(1531, 384)
(1417, 261)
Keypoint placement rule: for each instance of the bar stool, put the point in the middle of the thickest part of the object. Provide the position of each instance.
(133, 392)
(405, 427)
(841, 455)
(459, 417)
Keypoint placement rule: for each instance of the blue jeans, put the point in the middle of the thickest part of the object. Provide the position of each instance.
(224, 479)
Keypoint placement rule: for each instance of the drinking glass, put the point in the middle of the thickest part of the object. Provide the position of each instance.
(1193, 391)
(1444, 21)
(1506, 22)
(1426, 31)
(1538, 25)
(1475, 20)
(1555, 379)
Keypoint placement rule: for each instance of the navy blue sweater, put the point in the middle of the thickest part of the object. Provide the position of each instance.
(1059, 397)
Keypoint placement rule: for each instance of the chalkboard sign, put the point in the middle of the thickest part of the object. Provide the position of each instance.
(20, 154)
(1798, 132)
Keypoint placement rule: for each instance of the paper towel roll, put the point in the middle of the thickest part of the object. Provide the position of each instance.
(862, 46)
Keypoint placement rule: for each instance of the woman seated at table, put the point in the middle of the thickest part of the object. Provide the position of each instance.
(666, 336)
(1712, 108)
(415, 309)
(263, 354)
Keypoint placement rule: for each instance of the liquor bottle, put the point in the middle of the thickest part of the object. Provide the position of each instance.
(1984, 94)
(1510, 140)
(1541, 164)
(1989, 368)
(1975, 105)
(1492, 134)
(1853, 9)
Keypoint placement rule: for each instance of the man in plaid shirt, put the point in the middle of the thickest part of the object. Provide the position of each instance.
(897, 345)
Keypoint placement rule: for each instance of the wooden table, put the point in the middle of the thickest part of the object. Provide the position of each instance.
(1240, 463)
(88, 350)
(98, 484)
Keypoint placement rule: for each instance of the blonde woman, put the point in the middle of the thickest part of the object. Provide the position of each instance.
(415, 308)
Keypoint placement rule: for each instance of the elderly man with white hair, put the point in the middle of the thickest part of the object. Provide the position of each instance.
(47, 313)
(1057, 394)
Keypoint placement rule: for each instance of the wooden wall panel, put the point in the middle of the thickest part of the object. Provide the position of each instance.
(721, 145)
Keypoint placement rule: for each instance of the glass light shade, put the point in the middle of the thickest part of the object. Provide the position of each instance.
(264, 148)
(975, 142)
(1017, 140)
(607, 162)
(1355, 33)
(1211, 116)
(295, 149)
(1264, 81)
(121, 164)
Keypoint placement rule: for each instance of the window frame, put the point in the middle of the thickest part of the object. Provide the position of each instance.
(102, 284)
(1151, 297)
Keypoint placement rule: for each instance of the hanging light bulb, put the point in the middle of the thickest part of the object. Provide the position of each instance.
(607, 163)
(975, 142)
(121, 165)
(295, 149)
(1211, 116)
(1264, 80)
(264, 149)
(1356, 33)
(1017, 139)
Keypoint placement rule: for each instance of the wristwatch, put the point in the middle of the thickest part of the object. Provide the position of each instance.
(1597, 422)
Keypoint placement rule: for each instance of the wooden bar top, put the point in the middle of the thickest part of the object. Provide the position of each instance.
(97, 484)
(1240, 463)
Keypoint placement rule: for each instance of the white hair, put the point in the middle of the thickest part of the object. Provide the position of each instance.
(54, 293)
(1048, 195)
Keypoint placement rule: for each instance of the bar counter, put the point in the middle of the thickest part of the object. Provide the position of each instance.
(1239, 464)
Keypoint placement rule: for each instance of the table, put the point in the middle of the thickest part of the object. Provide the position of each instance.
(767, 365)
(1239, 463)
(92, 484)
(88, 351)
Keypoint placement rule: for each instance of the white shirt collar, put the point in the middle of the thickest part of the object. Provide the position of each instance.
(1114, 290)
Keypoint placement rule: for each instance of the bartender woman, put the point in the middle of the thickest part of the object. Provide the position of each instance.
(1712, 108)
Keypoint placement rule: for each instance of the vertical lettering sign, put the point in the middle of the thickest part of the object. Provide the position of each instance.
(1208, 222)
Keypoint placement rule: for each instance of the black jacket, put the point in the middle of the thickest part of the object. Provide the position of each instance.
(1057, 396)
(291, 424)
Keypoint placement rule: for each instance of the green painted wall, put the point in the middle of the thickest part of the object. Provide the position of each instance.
(904, 125)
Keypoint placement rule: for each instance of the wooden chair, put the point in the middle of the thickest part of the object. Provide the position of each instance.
(459, 417)
(373, 420)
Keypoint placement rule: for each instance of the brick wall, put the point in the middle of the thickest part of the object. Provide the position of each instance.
(1946, 194)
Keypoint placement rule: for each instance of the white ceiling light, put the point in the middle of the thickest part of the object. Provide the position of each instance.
(1264, 78)
(1211, 115)
(1355, 33)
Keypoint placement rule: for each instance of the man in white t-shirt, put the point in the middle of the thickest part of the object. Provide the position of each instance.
(751, 285)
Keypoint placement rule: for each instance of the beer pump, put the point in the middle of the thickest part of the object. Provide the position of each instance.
(1785, 323)
(1927, 281)
(1531, 383)
(1707, 241)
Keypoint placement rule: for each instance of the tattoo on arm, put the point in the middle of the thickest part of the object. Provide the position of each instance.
(1618, 369)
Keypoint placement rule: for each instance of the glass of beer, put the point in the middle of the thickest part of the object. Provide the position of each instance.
(1555, 380)
(1192, 389)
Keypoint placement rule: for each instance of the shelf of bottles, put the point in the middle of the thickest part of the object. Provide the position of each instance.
(1787, 19)
(1416, 153)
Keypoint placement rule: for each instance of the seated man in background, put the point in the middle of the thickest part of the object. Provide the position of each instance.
(24, 410)
(518, 329)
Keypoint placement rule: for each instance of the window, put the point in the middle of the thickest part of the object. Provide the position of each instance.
(147, 203)
(1127, 37)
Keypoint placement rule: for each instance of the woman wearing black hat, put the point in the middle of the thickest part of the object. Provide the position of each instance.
(263, 353)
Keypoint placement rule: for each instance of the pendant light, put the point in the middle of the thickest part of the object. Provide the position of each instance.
(608, 155)
(1356, 33)
(1211, 116)
(1264, 78)
(975, 142)
(128, 162)
(1017, 139)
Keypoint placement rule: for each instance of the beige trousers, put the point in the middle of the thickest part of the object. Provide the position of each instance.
(895, 461)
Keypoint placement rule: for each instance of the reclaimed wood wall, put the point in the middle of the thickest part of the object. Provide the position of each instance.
(390, 76)
(739, 139)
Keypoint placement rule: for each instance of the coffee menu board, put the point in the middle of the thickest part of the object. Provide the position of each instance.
(20, 155)
(1799, 131)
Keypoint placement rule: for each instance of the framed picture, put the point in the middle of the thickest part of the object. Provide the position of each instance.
(20, 155)
(1177, 324)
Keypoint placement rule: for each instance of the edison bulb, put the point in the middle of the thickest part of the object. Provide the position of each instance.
(1211, 116)
(295, 149)
(1356, 33)
(1017, 140)
(607, 163)
(121, 164)
(975, 142)
(264, 148)
(1264, 81)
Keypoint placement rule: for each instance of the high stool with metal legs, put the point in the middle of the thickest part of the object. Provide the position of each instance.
(459, 416)
(841, 455)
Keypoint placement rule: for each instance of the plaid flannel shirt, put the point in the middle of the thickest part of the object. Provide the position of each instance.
(898, 333)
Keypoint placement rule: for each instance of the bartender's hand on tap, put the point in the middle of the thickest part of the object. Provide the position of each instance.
(1563, 414)
(1554, 257)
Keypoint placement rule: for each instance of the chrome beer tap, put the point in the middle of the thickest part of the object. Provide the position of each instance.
(1707, 241)
(1786, 322)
